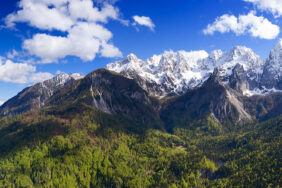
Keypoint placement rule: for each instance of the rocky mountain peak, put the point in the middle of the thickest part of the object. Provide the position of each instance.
(276, 52)
(240, 51)
(272, 72)
(240, 55)
(62, 79)
(131, 57)
(275, 57)
(215, 55)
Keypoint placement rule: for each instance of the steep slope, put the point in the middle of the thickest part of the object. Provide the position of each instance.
(263, 107)
(35, 97)
(213, 99)
(112, 94)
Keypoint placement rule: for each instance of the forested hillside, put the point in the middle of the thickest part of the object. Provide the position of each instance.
(40, 149)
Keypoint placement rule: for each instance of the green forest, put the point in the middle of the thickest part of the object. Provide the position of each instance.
(39, 149)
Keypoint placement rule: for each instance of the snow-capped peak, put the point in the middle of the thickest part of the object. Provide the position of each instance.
(131, 57)
(76, 76)
(242, 55)
(173, 69)
(239, 55)
(62, 79)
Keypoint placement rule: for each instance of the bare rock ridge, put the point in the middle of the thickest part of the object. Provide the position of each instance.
(35, 97)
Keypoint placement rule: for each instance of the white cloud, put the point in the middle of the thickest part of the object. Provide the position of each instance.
(256, 26)
(84, 34)
(1, 102)
(273, 6)
(85, 10)
(21, 73)
(84, 41)
(39, 15)
(144, 21)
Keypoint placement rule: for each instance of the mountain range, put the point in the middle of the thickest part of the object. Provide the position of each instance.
(177, 72)
(231, 87)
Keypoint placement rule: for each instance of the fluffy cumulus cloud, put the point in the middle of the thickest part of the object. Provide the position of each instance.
(84, 40)
(80, 20)
(144, 21)
(21, 73)
(273, 6)
(256, 26)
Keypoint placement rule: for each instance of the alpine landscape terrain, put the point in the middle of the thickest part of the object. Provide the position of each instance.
(205, 118)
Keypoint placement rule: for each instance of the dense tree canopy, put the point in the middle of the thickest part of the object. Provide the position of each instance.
(39, 150)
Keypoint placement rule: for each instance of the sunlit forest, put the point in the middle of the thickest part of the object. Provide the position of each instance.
(42, 150)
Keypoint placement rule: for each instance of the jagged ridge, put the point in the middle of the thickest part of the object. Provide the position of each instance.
(177, 72)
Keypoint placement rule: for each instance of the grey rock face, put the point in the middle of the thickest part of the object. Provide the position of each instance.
(115, 94)
(238, 80)
(241, 80)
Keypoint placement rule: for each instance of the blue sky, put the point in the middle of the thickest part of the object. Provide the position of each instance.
(160, 25)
